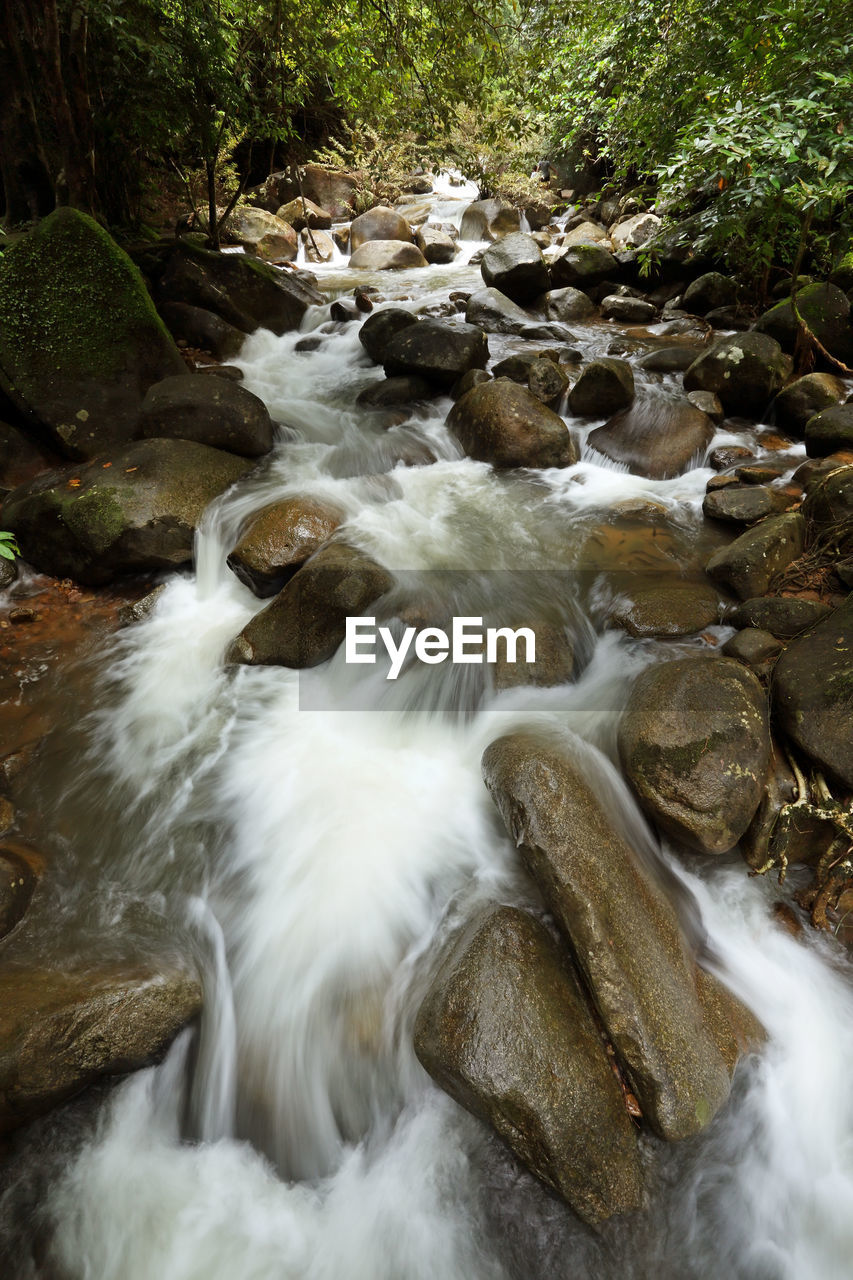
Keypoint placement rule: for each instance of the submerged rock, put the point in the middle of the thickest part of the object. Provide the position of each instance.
(502, 423)
(694, 742)
(504, 1030)
(211, 411)
(279, 539)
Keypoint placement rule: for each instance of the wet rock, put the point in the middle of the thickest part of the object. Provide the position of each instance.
(387, 255)
(813, 694)
(621, 927)
(745, 504)
(826, 311)
(473, 378)
(379, 223)
(782, 616)
(759, 473)
(707, 402)
(745, 370)
(634, 231)
(8, 573)
(566, 305)
(502, 423)
(749, 564)
(80, 339)
(586, 233)
(489, 220)
(546, 381)
(21, 457)
(202, 330)
(804, 398)
(344, 311)
(695, 745)
(437, 351)
(131, 511)
(515, 266)
(727, 454)
(829, 431)
(20, 868)
(814, 467)
(141, 609)
(554, 664)
(494, 312)
(305, 623)
(263, 234)
(677, 609)
(656, 437)
(669, 360)
(708, 293)
(582, 266)
(755, 647)
(435, 245)
(211, 411)
(279, 539)
(302, 214)
(379, 328)
(604, 387)
(61, 1031)
(333, 189)
(517, 366)
(318, 245)
(829, 498)
(393, 391)
(628, 310)
(504, 1030)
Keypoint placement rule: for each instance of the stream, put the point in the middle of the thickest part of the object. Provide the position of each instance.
(304, 833)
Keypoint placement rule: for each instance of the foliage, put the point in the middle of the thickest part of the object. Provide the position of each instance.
(9, 548)
(497, 146)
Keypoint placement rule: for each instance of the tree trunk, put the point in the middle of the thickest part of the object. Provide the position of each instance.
(212, 217)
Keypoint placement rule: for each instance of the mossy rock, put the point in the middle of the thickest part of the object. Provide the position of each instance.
(826, 311)
(80, 339)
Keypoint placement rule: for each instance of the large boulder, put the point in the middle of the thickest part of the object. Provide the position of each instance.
(305, 213)
(502, 423)
(80, 339)
(582, 266)
(829, 498)
(211, 411)
(566, 305)
(202, 329)
(387, 255)
(708, 293)
(586, 233)
(262, 234)
(436, 245)
(494, 312)
(245, 292)
(746, 370)
(749, 564)
(306, 621)
(604, 387)
(695, 744)
(829, 431)
(279, 539)
(826, 311)
(62, 1030)
(133, 510)
(381, 327)
(380, 223)
(656, 437)
(333, 190)
(621, 927)
(634, 231)
(802, 399)
(437, 351)
(813, 694)
(516, 267)
(504, 1029)
(489, 220)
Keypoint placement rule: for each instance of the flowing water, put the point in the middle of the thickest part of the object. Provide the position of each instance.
(306, 834)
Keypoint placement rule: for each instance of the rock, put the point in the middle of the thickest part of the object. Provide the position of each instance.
(394, 391)
(753, 646)
(435, 245)
(380, 327)
(140, 609)
(437, 351)
(279, 539)
(842, 274)
(203, 330)
(586, 233)
(331, 189)
(745, 370)
(494, 312)
(708, 293)
(318, 245)
(80, 339)
(554, 665)
(387, 255)
(781, 616)
(628, 310)
(473, 378)
(61, 1031)
(582, 266)
(621, 927)
(728, 454)
(211, 411)
(694, 742)
(489, 220)
(136, 514)
(680, 609)
(604, 387)
(669, 360)
(814, 467)
(20, 868)
(829, 499)
(502, 423)
(744, 504)
(829, 431)
(262, 234)
(8, 573)
(656, 437)
(546, 381)
(826, 311)
(379, 223)
(504, 1029)
(517, 366)
(306, 621)
(813, 694)
(634, 231)
(21, 459)
(750, 563)
(707, 402)
(515, 266)
(305, 213)
(243, 291)
(803, 399)
(566, 305)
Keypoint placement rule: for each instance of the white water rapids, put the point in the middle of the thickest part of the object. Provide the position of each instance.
(312, 855)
